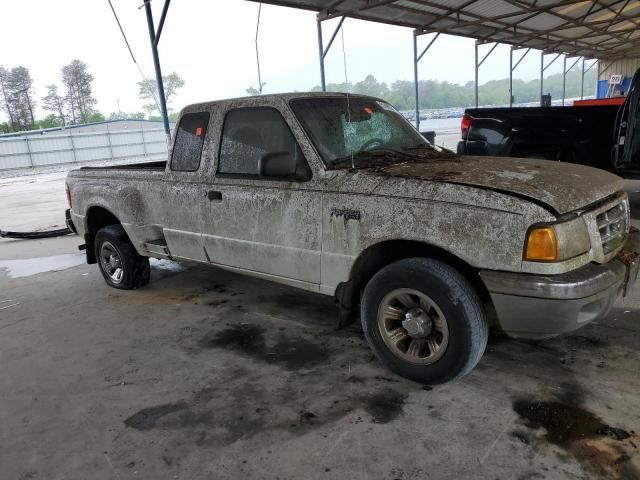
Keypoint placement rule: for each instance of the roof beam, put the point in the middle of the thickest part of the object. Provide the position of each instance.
(608, 33)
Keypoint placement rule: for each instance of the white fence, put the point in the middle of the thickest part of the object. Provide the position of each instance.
(37, 151)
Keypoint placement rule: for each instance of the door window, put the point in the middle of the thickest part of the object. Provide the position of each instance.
(253, 137)
(187, 148)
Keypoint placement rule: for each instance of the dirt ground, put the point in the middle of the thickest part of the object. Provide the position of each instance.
(208, 374)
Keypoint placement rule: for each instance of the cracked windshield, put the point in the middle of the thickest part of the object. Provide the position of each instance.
(357, 132)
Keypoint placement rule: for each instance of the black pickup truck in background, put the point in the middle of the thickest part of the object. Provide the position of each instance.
(603, 136)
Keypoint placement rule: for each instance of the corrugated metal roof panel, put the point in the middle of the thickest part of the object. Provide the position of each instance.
(576, 32)
(422, 7)
(599, 28)
(542, 22)
(491, 8)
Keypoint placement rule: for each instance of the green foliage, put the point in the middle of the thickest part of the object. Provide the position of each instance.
(79, 91)
(96, 117)
(255, 91)
(434, 94)
(54, 102)
(173, 117)
(16, 97)
(147, 91)
(50, 121)
(75, 105)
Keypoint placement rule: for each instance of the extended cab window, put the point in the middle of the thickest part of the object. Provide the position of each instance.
(187, 148)
(256, 141)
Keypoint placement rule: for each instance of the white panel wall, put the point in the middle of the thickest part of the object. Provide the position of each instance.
(34, 151)
(625, 67)
(14, 153)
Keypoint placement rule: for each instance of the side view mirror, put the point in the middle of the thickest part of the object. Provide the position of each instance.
(282, 165)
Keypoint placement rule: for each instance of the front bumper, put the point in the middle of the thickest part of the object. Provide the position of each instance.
(541, 306)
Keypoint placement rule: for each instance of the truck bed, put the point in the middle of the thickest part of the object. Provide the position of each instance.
(156, 166)
(571, 134)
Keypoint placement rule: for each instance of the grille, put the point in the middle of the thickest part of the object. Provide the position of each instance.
(613, 226)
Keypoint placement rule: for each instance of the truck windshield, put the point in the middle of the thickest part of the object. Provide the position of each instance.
(356, 131)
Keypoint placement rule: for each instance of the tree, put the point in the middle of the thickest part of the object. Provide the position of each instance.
(117, 116)
(16, 88)
(256, 91)
(147, 91)
(370, 86)
(4, 91)
(434, 94)
(55, 103)
(96, 117)
(79, 95)
(50, 121)
(124, 115)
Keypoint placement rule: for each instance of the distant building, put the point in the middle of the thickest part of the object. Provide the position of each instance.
(623, 68)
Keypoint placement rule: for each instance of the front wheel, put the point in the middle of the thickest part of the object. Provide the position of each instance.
(424, 320)
(121, 266)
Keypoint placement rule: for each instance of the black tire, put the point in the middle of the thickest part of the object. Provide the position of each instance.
(136, 271)
(457, 300)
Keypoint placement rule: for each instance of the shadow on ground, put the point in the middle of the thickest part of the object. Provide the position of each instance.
(205, 373)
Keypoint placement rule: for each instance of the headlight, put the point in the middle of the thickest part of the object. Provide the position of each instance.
(557, 242)
(542, 245)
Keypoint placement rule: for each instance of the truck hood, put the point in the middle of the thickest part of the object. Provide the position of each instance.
(562, 187)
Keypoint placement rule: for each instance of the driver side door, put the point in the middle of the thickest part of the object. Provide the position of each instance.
(262, 220)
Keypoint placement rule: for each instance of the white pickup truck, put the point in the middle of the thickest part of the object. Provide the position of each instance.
(338, 194)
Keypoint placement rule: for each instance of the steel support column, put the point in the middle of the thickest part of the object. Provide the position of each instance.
(543, 68)
(479, 64)
(475, 81)
(323, 84)
(583, 74)
(415, 79)
(541, 75)
(511, 77)
(582, 81)
(322, 52)
(416, 60)
(564, 75)
(512, 68)
(155, 38)
(564, 78)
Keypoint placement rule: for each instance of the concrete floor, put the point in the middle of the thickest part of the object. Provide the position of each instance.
(207, 374)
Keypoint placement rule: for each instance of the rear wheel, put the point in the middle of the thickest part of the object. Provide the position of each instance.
(424, 320)
(120, 264)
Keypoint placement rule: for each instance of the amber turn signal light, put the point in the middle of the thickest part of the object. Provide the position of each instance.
(541, 245)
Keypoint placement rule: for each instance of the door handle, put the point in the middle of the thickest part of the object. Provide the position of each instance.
(214, 196)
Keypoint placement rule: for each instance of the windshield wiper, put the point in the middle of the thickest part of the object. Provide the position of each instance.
(420, 146)
(431, 147)
(371, 158)
(380, 157)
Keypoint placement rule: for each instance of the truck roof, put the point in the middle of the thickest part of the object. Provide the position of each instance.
(261, 99)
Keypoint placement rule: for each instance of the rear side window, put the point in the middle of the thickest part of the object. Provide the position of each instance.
(187, 148)
(251, 133)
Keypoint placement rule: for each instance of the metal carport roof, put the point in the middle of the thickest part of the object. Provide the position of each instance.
(597, 29)
(591, 28)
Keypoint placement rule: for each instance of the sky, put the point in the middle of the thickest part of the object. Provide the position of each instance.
(211, 44)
